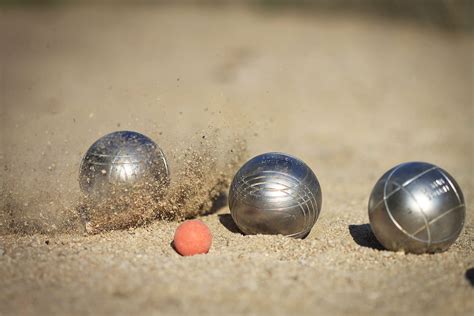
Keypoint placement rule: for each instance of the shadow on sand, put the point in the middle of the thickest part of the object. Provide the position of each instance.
(470, 276)
(363, 236)
(227, 221)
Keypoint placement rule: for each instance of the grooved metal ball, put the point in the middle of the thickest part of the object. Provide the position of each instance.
(122, 160)
(416, 207)
(275, 193)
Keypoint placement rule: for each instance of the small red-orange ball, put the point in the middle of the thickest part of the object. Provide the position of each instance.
(192, 237)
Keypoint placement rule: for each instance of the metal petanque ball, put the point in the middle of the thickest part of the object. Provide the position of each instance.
(121, 161)
(275, 193)
(416, 207)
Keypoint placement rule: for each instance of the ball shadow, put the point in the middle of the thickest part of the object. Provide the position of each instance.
(470, 276)
(227, 221)
(364, 237)
(172, 246)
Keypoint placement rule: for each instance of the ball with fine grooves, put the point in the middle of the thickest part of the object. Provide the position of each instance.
(275, 193)
(121, 161)
(416, 207)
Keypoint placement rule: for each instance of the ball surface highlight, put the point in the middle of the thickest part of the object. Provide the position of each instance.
(122, 160)
(275, 193)
(416, 207)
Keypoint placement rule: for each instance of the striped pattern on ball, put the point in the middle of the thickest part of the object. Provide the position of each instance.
(275, 198)
(122, 158)
(424, 204)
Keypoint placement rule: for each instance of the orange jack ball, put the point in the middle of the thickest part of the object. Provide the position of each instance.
(192, 237)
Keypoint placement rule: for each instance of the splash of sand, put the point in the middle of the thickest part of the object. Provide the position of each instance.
(202, 169)
(204, 172)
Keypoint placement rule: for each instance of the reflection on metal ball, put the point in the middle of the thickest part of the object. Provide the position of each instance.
(122, 160)
(416, 207)
(275, 193)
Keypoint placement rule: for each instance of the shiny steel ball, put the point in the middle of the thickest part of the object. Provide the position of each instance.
(121, 161)
(416, 207)
(275, 193)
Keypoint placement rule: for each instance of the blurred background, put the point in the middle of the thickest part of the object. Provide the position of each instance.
(446, 14)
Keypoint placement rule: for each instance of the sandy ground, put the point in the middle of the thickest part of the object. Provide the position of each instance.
(350, 96)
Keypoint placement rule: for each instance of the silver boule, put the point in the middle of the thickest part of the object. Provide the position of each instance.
(122, 160)
(416, 207)
(275, 193)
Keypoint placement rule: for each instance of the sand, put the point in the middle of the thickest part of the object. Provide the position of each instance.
(350, 95)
